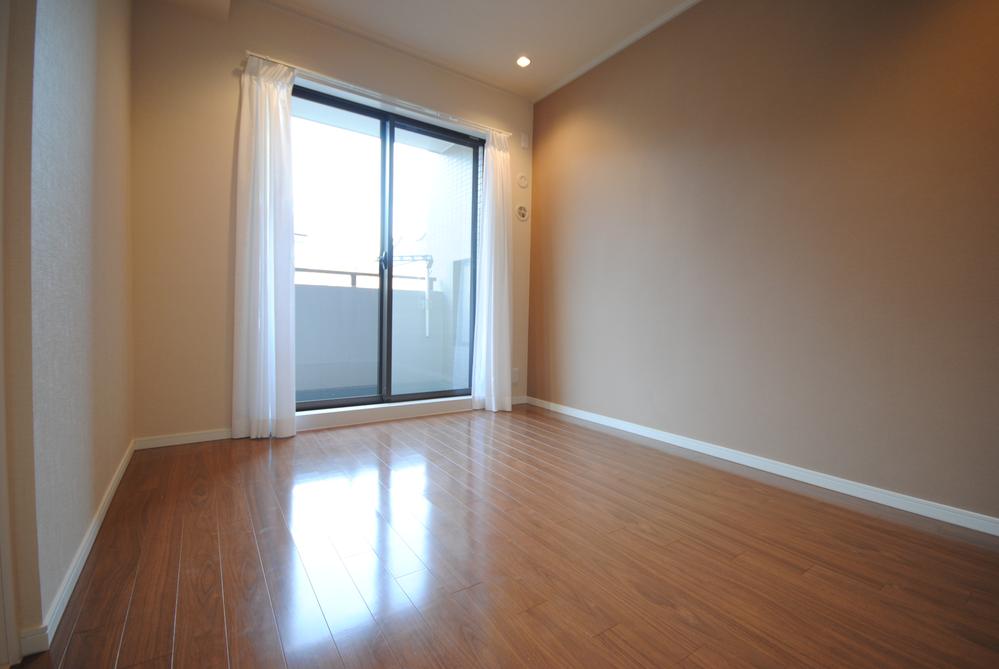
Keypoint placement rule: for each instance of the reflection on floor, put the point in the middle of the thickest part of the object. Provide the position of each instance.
(505, 540)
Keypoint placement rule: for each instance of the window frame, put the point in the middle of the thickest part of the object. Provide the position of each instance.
(389, 121)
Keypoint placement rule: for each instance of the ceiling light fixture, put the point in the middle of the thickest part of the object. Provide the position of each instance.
(523, 61)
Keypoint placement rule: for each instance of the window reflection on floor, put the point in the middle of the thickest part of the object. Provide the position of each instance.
(358, 533)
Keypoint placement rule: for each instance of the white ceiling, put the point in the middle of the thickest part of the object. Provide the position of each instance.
(483, 38)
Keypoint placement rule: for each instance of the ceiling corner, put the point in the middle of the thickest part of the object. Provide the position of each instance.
(649, 28)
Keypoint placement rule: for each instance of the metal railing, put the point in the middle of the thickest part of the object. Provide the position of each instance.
(353, 275)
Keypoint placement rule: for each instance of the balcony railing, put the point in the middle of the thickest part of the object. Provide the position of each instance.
(428, 286)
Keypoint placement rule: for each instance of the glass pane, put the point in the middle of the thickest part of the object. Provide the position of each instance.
(337, 190)
(432, 264)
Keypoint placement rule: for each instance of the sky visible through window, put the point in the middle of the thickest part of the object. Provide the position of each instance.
(337, 196)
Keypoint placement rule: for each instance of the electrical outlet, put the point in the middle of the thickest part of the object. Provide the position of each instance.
(515, 375)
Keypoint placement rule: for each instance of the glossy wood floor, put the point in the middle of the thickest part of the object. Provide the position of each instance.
(505, 540)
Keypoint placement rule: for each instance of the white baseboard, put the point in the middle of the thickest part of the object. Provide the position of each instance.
(922, 507)
(325, 418)
(181, 438)
(521, 399)
(372, 413)
(36, 639)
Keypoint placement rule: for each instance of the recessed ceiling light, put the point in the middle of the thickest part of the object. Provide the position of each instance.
(523, 61)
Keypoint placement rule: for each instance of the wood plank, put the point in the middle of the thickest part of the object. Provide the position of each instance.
(306, 639)
(250, 623)
(506, 540)
(149, 629)
(251, 627)
(96, 635)
(201, 639)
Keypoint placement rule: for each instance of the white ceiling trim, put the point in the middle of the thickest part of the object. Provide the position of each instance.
(621, 46)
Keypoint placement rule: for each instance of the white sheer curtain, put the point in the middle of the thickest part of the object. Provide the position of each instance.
(263, 387)
(491, 388)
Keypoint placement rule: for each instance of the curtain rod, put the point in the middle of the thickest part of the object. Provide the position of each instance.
(387, 99)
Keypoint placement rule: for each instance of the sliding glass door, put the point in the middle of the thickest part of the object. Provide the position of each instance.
(337, 173)
(386, 209)
(433, 204)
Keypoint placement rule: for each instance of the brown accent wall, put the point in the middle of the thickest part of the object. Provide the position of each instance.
(774, 226)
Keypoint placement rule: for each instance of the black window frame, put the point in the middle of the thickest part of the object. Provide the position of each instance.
(389, 121)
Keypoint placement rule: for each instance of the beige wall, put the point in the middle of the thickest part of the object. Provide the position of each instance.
(17, 306)
(185, 102)
(8, 631)
(774, 226)
(69, 246)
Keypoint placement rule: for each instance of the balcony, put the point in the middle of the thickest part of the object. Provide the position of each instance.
(337, 325)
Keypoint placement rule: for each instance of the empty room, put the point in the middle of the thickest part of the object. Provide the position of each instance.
(465, 333)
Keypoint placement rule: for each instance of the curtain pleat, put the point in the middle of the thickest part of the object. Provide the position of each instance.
(491, 387)
(263, 392)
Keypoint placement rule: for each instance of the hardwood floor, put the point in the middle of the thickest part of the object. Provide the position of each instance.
(507, 540)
